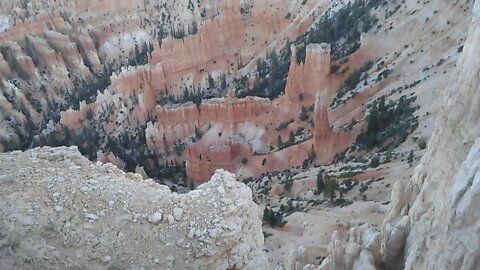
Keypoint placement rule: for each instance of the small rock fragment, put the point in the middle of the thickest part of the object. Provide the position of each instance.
(106, 259)
(92, 216)
(177, 213)
(171, 220)
(191, 233)
(155, 218)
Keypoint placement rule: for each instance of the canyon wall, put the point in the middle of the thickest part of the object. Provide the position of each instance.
(309, 76)
(99, 89)
(433, 219)
(60, 210)
(186, 63)
(178, 122)
(203, 160)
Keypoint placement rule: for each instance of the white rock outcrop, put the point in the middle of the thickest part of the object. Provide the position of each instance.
(60, 211)
(434, 219)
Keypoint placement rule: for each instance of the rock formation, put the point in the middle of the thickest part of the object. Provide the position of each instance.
(150, 87)
(433, 218)
(326, 142)
(59, 211)
(444, 229)
(203, 160)
(99, 84)
(309, 76)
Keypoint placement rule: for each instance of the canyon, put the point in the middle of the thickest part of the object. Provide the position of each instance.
(329, 116)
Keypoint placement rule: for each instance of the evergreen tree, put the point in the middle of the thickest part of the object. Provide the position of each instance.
(274, 64)
(303, 114)
(375, 162)
(223, 81)
(194, 28)
(312, 155)
(288, 183)
(320, 183)
(211, 82)
(273, 218)
(331, 189)
(291, 138)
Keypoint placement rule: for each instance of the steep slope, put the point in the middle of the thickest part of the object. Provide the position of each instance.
(60, 211)
(433, 219)
(442, 233)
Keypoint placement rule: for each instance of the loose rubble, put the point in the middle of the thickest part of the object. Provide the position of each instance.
(60, 211)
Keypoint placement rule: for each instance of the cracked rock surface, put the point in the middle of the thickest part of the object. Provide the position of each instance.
(58, 210)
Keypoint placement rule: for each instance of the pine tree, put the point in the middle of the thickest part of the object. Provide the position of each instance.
(375, 162)
(312, 155)
(291, 138)
(194, 29)
(303, 114)
(223, 83)
(331, 189)
(211, 82)
(274, 63)
(320, 183)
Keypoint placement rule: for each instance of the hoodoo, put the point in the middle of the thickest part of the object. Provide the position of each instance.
(239, 134)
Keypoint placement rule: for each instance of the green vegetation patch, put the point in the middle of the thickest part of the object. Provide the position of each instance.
(388, 125)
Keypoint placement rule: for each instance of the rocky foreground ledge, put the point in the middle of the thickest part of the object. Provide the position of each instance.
(58, 210)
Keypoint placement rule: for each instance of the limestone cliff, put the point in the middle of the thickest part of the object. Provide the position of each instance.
(61, 211)
(433, 220)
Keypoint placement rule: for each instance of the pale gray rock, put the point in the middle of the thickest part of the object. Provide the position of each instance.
(155, 218)
(95, 229)
(433, 220)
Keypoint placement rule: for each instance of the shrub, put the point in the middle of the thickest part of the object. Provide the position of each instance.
(334, 68)
(273, 218)
(375, 162)
(410, 158)
(422, 144)
(303, 114)
(288, 184)
(244, 160)
(347, 175)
